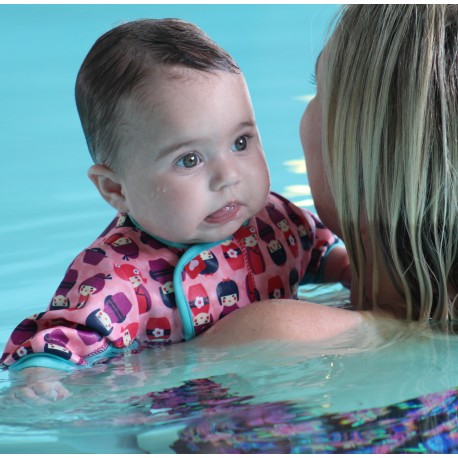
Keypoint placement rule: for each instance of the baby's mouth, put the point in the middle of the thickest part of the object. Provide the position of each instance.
(224, 214)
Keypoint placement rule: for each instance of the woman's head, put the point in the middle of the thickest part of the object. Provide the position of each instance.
(388, 93)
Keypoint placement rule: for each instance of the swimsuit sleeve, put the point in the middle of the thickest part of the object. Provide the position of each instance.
(93, 314)
(324, 241)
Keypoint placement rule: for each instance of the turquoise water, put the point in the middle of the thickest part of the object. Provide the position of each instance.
(150, 400)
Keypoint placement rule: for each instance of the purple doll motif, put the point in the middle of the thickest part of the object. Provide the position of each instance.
(228, 296)
(60, 299)
(94, 256)
(274, 246)
(56, 344)
(123, 245)
(162, 271)
(115, 310)
(150, 241)
(282, 223)
(24, 331)
(91, 286)
(23, 350)
(306, 233)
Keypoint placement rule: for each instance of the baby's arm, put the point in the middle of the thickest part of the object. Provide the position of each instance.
(337, 267)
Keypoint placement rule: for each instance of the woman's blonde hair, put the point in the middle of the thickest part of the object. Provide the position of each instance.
(390, 147)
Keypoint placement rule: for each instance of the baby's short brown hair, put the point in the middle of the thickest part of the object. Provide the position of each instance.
(121, 59)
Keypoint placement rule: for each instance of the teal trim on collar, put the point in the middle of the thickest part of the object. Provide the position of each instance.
(180, 297)
(177, 244)
(163, 241)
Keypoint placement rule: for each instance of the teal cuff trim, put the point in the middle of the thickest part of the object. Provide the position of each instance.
(180, 297)
(54, 362)
(43, 360)
(318, 278)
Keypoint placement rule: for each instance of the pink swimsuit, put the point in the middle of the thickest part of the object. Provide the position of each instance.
(129, 287)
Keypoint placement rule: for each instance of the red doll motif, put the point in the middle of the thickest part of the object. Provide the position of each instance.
(131, 274)
(276, 288)
(199, 304)
(158, 329)
(233, 254)
(249, 238)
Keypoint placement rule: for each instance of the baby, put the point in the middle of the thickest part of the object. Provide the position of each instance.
(170, 126)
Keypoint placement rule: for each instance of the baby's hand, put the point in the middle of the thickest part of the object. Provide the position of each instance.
(337, 268)
(38, 385)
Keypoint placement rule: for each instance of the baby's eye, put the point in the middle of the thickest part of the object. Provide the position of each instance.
(189, 160)
(240, 144)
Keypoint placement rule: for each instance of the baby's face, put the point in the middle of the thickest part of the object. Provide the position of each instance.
(193, 167)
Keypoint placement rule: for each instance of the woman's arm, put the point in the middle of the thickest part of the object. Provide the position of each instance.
(284, 319)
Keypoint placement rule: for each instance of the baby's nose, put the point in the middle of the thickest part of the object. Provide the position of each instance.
(225, 172)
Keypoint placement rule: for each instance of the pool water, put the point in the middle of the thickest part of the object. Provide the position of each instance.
(390, 389)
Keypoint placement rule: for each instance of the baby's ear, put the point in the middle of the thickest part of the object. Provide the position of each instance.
(109, 186)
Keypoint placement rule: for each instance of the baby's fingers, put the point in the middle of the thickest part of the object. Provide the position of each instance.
(39, 393)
